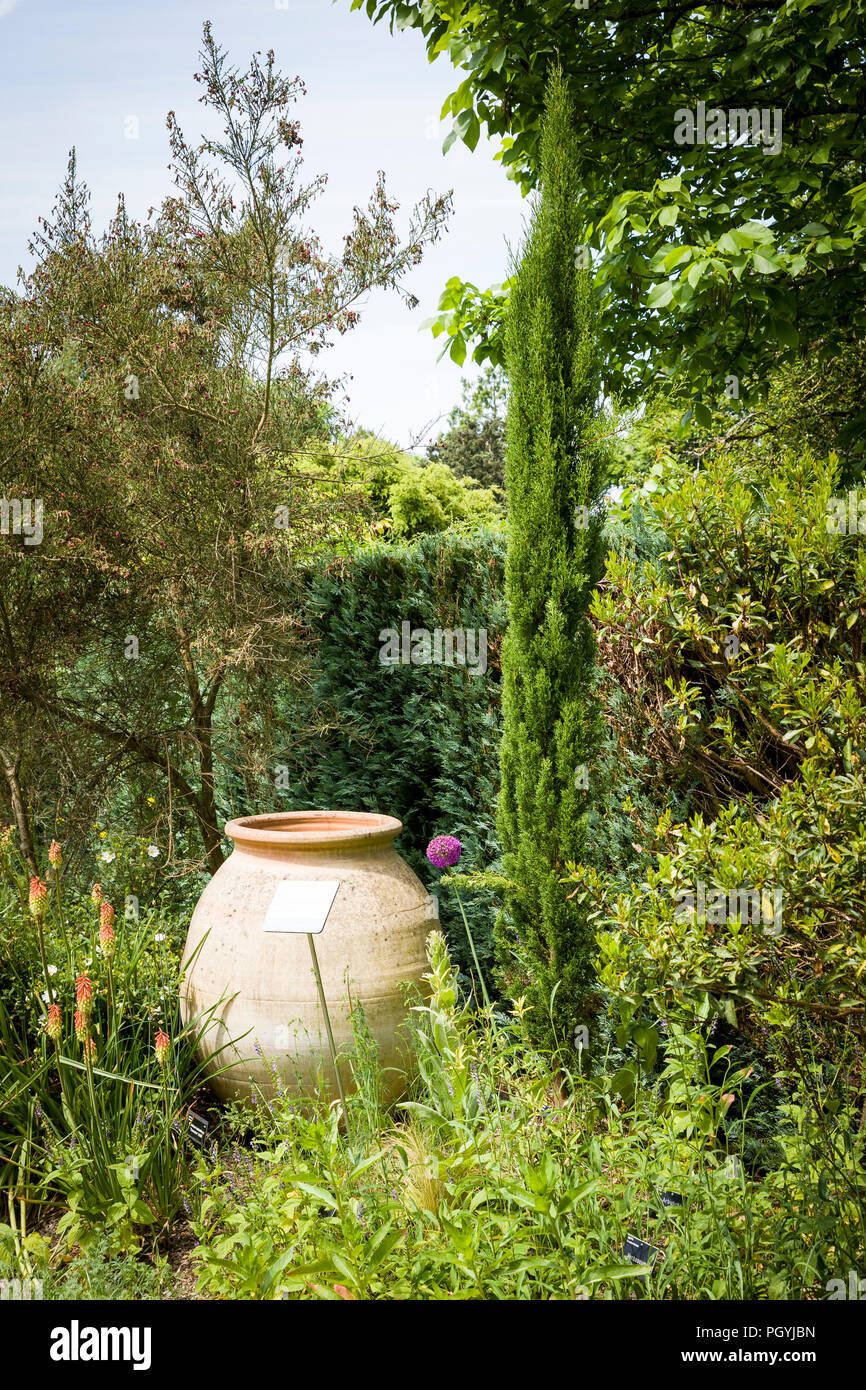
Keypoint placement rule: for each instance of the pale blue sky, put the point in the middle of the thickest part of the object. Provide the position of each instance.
(75, 70)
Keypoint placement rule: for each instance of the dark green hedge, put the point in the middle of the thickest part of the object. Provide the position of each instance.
(416, 741)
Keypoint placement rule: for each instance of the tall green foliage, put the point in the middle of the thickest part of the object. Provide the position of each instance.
(417, 741)
(553, 473)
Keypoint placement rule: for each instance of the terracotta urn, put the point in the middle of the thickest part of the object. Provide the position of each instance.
(248, 953)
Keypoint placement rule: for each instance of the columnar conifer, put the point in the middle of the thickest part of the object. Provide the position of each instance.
(553, 481)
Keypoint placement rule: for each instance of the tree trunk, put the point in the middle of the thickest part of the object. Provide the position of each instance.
(11, 768)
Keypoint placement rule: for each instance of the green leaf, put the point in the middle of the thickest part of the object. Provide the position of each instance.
(382, 1246)
(320, 1193)
(660, 295)
(457, 351)
(675, 257)
(766, 263)
(623, 1084)
(367, 1163)
(607, 1274)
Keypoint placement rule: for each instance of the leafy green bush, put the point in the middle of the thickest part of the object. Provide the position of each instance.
(407, 498)
(747, 633)
(416, 741)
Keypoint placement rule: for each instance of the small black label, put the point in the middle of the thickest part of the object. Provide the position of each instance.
(638, 1252)
(670, 1199)
(197, 1127)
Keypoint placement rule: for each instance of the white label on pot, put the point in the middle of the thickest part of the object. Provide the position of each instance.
(301, 905)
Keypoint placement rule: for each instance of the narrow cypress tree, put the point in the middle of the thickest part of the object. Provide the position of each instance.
(553, 477)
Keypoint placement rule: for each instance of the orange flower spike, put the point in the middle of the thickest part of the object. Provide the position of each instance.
(54, 1023)
(38, 896)
(84, 994)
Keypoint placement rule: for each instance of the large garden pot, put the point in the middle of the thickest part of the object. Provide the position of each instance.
(262, 980)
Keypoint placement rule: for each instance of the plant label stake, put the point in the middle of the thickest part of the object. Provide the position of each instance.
(668, 1199)
(197, 1128)
(301, 907)
(639, 1252)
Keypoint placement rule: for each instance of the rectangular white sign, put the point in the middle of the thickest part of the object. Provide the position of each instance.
(301, 905)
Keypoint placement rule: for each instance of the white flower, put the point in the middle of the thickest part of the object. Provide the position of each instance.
(160, 936)
(49, 995)
(106, 856)
(153, 851)
(52, 970)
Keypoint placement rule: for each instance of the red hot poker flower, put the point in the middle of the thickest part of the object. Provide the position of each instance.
(38, 895)
(84, 993)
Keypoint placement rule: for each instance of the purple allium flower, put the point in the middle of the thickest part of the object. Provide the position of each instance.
(444, 851)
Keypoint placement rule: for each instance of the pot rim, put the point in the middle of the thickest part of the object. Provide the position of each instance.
(312, 830)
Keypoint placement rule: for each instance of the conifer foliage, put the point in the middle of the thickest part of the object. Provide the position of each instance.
(553, 471)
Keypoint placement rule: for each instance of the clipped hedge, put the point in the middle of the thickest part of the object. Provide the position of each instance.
(416, 741)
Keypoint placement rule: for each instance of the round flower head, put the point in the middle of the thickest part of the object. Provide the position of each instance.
(96, 894)
(444, 851)
(161, 1046)
(38, 894)
(106, 914)
(54, 855)
(54, 1023)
